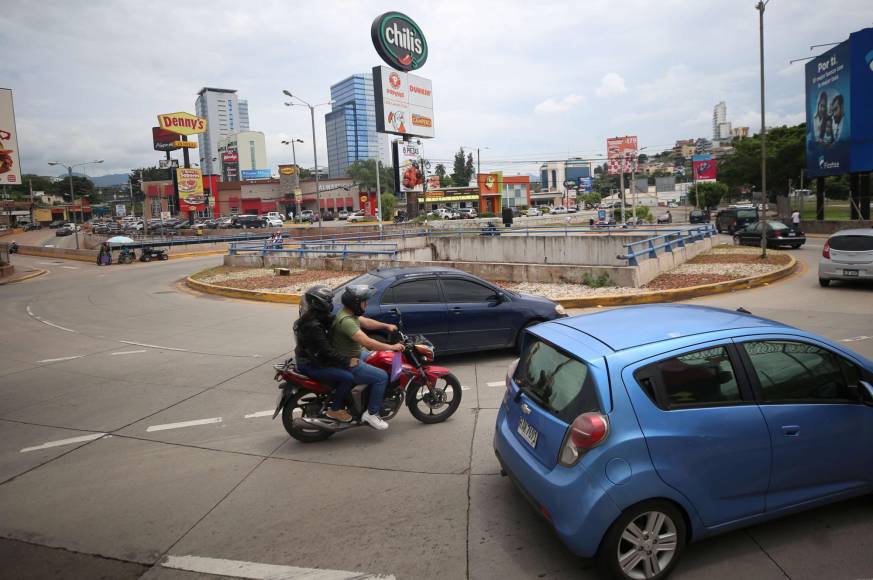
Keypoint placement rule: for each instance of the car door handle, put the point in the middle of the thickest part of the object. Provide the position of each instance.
(791, 430)
(456, 309)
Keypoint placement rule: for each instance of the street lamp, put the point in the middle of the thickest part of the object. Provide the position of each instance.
(72, 193)
(762, 4)
(479, 164)
(293, 149)
(314, 148)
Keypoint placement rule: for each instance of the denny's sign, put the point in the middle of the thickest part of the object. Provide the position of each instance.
(182, 123)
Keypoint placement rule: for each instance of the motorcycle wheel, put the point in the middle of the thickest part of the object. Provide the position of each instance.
(312, 435)
(164, 256)
(445, 400)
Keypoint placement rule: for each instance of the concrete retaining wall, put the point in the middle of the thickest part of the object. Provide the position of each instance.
(830, 226)
(649, 269)
(81, 255)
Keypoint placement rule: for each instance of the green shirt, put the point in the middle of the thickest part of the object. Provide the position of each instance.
(344, 326)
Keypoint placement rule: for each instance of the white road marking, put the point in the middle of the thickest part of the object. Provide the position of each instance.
(127, 352)
(496, 384)
(183, 424)
(69, 267)
(855, 339)
(258, 414)
(465, 388)
(258, 571)
(61, 442)
(58, 326)
(153, 346)
(48, 360)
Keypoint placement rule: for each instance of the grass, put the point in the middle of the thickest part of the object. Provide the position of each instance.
(833, 211)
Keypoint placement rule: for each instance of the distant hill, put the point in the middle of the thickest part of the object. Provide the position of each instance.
(110, 180)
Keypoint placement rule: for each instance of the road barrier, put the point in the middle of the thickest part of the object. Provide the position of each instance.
(650, 247)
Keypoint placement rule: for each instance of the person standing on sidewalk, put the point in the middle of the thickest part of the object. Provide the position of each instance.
(348, 338)
(795, 219)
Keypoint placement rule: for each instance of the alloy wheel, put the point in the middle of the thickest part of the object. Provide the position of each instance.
(648, 545)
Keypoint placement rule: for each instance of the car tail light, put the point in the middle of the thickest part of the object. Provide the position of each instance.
(509, 372)
(777, 234)
(586, 432)
(826, 251)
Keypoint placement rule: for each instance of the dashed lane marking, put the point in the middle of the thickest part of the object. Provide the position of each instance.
(194, 423)
(258, 571)
(44, 321)
(127, 352)
(856, 339)
(465, 388)
(69, 267)
(258, 414)
(63, 358)
(152, 346)
(496, 384)
(61, 442)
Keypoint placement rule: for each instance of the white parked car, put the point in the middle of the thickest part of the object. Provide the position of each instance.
(467, 213)
(533, 212)
(274, 222)
(342, 214)
(357, 216)
(275, 215)
(558, 210)
(847, 255)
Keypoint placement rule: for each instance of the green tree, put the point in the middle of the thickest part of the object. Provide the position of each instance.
(591, 199)
(389, 203)
(786, 156)
(708, 193)
(363, 172)
(82, 186)
(463, 169)
(21, 191)
(440, 171)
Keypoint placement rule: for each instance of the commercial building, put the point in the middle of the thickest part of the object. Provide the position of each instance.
(553, 175)
(719, 116)
(740, 132)
(225, 115)
(351, 126)
(243, 151)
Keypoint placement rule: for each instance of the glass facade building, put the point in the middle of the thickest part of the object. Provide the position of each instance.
(351, 124)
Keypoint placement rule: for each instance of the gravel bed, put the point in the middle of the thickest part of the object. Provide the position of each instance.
(300, 287)
(556, 291)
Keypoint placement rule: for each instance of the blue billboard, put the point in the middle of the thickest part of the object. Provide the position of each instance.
(839, 90)
(586, 184)
(248, 174)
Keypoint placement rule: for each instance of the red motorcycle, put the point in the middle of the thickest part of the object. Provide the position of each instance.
(431, 393)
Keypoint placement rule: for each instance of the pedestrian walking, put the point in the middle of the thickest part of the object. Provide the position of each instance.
(795, 219)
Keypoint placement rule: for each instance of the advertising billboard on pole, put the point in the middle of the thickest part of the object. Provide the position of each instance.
(621, 153)
(861, 44)
(404, 103)
(407, 170)
(10, 164)
(190, 182)
(704, 168)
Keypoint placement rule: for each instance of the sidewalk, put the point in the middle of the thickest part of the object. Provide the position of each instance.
(21, 276)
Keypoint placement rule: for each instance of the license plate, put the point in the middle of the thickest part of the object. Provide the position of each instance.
(850, 272)
(790, 234)
(527, 433)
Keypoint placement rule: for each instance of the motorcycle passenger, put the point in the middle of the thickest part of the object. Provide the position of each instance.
(348, 338)
(316, 355)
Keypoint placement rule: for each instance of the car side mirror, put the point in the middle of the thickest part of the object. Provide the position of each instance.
(499, 297)
(868, 388)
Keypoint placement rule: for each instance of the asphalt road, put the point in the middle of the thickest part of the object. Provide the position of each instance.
(135, 442)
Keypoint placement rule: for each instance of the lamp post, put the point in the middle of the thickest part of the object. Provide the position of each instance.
(762, 4)
(314, 149)
(479, 165)
(291, 142)
(293, 149)
(72, 193)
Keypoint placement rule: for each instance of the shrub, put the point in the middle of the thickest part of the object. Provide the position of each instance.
(545, 210)
(486, 214)
(600, 281)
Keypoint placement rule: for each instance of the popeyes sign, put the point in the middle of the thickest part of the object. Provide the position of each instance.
(182, 123)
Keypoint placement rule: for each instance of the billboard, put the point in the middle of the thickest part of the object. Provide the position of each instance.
(621, 153)
(248, 174)
(704, 168)
(182, 123)
(407, 167)
(10, 164)
(586, 184)
(399, 41)
(491, 183)
(164, 140)
(404, 103)
(839, 116)
(190, 181)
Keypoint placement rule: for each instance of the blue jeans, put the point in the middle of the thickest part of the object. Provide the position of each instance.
(365, 374)
(341, 379)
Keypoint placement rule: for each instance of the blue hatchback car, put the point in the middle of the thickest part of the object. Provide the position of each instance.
(456, 311)
(637, 430)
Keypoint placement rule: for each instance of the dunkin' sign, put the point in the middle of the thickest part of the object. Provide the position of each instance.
(399, 41)
(182, 123)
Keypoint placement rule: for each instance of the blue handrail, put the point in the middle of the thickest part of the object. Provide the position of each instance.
(648, 248)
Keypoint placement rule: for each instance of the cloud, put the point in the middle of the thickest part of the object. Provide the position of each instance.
(611, 84)
(551, 105)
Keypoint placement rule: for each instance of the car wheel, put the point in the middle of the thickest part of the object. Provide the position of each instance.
(644, 543)
(795, 246)
(824, 282)
(145, 258)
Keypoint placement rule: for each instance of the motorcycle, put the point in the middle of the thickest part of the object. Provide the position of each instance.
(432, 393)
(13, 248)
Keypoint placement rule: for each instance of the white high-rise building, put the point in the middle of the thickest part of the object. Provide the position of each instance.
(225, 115)
(719, 116)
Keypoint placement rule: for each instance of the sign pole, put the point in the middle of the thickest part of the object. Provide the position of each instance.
(378, 196)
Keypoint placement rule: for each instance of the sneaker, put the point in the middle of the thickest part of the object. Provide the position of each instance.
(374, 421)
(339, 415)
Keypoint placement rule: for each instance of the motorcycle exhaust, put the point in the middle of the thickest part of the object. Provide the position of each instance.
(322, 424)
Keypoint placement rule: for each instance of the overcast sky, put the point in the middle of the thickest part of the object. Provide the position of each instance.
(528, 80)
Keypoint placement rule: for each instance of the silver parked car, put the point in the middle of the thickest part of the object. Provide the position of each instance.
(847, 255)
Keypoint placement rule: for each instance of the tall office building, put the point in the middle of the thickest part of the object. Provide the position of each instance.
(225, 115)
(351, 126)
(719, 116)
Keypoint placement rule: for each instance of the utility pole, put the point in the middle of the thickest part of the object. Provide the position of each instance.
(378, 196)
(762, 4)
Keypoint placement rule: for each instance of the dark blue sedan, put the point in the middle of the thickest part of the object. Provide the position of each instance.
(456, 311)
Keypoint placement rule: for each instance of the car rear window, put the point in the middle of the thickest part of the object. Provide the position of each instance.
(851, 243)
(556, 381)
(777, 225)
(747, 213)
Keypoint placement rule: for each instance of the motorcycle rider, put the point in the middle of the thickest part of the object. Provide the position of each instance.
(316, 355)
(348, 338)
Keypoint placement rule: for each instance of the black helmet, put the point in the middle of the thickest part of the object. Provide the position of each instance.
(319, 299)
(354, 295)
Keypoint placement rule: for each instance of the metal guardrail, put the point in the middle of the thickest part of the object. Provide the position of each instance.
(303, 249)
(649, 247)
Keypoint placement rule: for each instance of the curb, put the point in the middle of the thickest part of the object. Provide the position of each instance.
(682, 293)
(197, 254)
(586, 302)
(25, 277)
(276, 297)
